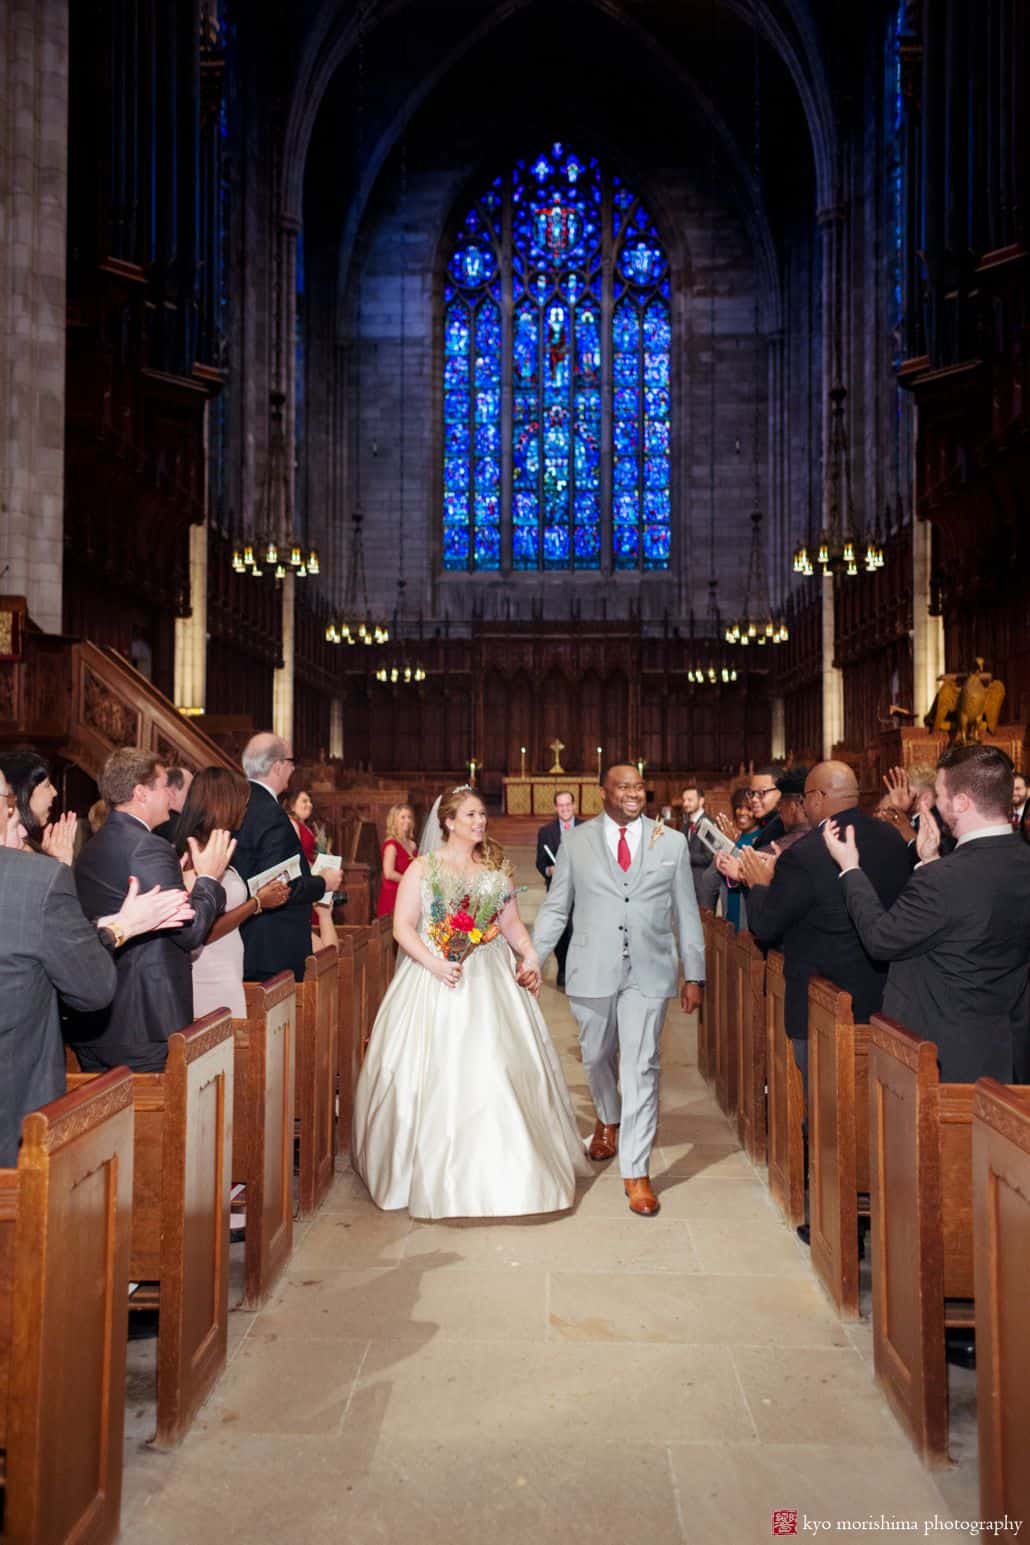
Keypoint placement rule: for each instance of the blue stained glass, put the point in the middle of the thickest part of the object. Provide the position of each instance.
(656, 369)
(488, 440)
(564, 244)
(456, 440)
(456, 407)
(656, 438)
(656, 547)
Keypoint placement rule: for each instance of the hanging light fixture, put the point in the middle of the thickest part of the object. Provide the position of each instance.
(757, 625)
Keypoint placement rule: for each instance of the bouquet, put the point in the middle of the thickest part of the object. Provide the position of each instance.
(456, 934)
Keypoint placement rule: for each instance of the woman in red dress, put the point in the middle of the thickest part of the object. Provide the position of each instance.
(398, 851)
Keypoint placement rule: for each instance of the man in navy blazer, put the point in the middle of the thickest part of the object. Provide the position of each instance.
(154, 995)
(280, 940)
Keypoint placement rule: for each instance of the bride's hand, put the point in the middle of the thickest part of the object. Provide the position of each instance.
(446, 971)
(528, 974)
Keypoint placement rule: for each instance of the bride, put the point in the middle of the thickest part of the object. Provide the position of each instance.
(461, 1109)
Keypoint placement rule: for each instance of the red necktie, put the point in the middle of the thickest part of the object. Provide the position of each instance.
(624, 857)
(693, 826)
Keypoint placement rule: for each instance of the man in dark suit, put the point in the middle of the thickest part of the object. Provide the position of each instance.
(958, 938)
(154, 995)
(179, 780)
(548, 841)
(280, 940)
(692, 810)
(803, 913)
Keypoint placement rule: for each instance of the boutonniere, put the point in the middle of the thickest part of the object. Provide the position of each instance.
(657, 831)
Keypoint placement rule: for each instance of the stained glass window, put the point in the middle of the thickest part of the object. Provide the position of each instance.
(543, 256)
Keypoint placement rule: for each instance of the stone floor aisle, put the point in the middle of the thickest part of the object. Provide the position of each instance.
(592, 1376)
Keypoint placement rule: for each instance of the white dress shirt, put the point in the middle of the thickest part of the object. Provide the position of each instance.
(634, 833)
(996, 829)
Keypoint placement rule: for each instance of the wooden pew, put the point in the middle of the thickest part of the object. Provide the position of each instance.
(65, 1225)
(1001, 1251)
(264, 1088)
(707, 1018)
(786, 1101)
(747, 965)
(180, 1213)
(838, 1140)
(387, 955)
(352, 1024)
(315, 1099)
(724, 942)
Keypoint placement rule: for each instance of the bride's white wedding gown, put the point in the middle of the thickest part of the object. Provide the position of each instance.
(461, 1109)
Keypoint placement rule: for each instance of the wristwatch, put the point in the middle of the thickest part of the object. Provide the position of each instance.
(112, 936)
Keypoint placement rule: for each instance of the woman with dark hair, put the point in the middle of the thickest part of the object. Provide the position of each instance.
(746, 829)
(28, 778)
(218, 800)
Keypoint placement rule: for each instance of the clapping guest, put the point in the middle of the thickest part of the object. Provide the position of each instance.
(745, 826)
(218, 800)
(28, 779)
(764, 795)
(399, 850)
(154, 995)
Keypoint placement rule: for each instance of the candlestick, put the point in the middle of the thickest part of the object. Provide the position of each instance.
(472, 773)
(641, 764)
(600, 751)
(522, 753)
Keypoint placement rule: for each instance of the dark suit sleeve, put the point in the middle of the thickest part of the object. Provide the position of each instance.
(915, 921)
(73, 957)
(274, 844)
(543, 863)
(154, 863)
(772, 909)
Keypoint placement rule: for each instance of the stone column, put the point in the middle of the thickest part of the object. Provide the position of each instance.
(33, 234)
(833, 230)
(191, 632)
(833, 680)
(778, 730)
(282, 680)
(336, 728)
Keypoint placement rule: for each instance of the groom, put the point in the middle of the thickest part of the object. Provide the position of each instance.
(630, 882)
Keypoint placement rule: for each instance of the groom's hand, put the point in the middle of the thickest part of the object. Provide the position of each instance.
(691, 994)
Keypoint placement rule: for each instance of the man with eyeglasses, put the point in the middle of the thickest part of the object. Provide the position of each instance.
(803, 912)
(280, 940)
(764, 796)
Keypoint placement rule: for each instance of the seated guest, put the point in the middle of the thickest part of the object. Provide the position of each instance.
(217, 800)
(548, 841)
(154, 995)
(279, 941)
(398, 851)
(957, 938)
(802, 910)
(48, 946)
(179, 780)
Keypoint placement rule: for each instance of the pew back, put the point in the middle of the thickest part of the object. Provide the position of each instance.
(315, 1104)
(748, 976)
(709, 1008)
(838, 1139)
(786, 1101)
(726, 1018)
(64, 1244)
(1001, 1239)
(262, 1146)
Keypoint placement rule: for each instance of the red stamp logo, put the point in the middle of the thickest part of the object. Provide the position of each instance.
(785, 1521)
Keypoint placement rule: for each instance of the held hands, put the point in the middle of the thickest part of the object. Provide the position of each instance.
(527, 974)
(212, 860)
(275, 894)
(59, 838)
(843, 850)
(758, 868)
(928, 837)
(150, 912)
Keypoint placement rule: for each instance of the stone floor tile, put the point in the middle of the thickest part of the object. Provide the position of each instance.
(806, 1397)
(285, 1385)
(765, 1248)
(564, 1244)
(344, 1241)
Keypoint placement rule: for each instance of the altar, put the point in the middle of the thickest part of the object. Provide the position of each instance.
(535, 795)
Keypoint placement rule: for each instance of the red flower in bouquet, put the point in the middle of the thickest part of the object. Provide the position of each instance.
(461, 922)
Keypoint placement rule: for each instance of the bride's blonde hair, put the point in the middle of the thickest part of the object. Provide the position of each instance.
(488, 852)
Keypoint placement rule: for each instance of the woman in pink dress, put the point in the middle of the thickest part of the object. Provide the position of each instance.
(398, 851)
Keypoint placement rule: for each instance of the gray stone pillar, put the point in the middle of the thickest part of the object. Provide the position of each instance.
(33, 225)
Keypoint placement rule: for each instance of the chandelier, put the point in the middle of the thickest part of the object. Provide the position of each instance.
(279, 556)
(710, 667)
(355, 625)
(757, 624)
(843, 548)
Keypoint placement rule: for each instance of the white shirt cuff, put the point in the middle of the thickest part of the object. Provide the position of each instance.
(849, 870)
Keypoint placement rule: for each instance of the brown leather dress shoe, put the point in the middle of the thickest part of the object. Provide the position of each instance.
(642, 1199)
(604, 1144)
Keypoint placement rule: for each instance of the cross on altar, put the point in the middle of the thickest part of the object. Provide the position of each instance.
(557, 746)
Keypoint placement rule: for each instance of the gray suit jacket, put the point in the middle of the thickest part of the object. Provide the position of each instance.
(654, 901)
(48, 948)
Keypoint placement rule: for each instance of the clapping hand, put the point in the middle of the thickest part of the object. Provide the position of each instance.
(928, 837)
(726, 826)
(59, 838)
(899, 790)
(212, 860)
(153, 910)
(758, 868)
(728, 865)
(843, 850)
